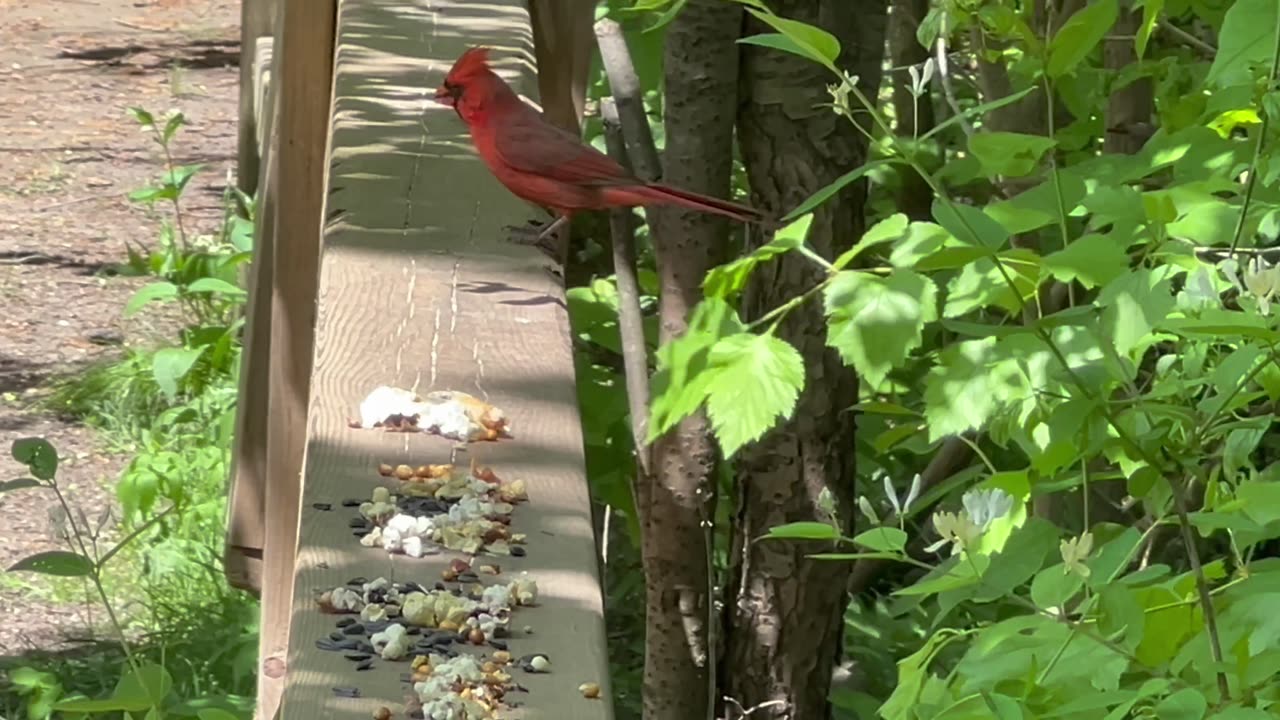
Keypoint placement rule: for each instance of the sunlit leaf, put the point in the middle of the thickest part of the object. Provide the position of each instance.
(755, 382)
(874, 322)
(1079, 35)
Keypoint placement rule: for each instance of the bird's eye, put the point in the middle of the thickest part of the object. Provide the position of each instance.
(454, 90)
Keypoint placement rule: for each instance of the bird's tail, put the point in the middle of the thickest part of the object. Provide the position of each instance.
(659, 194)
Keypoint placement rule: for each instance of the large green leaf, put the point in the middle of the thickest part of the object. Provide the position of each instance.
(55, 562)
(969, 225)
(803, 39)
(1080, 35)
(682, 380)
(1009, 154)
(171, 365)
(1134, 304)
(148, 293)
(1093, 260)
(876, 322)
(1247, 38)
(38, 455)
(755, 382)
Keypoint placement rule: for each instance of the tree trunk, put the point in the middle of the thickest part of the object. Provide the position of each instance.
(784, 611)
(701, 65)
(914, 115)
(1129, 109)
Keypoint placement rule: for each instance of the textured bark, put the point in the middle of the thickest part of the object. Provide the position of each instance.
(1129, 109)
(784, 611)
(915, 117)
(701, 60)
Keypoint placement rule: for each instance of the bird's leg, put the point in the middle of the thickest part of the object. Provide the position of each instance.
(542, 238)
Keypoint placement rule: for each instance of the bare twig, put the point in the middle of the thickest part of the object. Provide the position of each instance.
(1188, 38)
(624, 85)
(944, 79)
(635, 356)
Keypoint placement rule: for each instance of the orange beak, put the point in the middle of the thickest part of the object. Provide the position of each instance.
(446, 96)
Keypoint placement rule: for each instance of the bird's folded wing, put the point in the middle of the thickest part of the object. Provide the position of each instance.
(546, 150)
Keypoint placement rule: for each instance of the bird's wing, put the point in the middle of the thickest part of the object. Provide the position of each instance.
(535, 146)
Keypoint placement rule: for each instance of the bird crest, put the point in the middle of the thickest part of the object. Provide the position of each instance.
(473, 61)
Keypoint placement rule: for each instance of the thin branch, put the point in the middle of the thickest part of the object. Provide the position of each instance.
(944, 79)
(1188, 38)
(624, 85)
(635, 355)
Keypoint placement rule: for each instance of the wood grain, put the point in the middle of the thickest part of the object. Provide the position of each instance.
(418, 289)
(247, 492)
(304, 82)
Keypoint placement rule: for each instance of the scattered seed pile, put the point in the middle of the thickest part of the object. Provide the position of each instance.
(438, 508)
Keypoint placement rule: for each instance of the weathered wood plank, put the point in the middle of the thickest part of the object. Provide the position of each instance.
(418, 289)
(304, 81)
(247, 492)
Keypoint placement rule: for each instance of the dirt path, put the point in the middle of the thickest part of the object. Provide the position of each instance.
(68, 156)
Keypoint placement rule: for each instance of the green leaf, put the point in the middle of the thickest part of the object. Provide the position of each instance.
(805, 40)
(683, 376)
(59, 563)
(38, 455)
(143, 689)
(756, 381)
(1079, 35)
(87, 705)
(1247, 38)
(890, 229)
(816, 199)
(1151, 10)
(215, 285)
(1022, 556)
(148, 293)
(1185, 704)
(808, 530)
(19, 484)
(979, 110)
(729, 279)
(213, 713)
(969, 225)
(1135, 303)
(1053, 586)
(175, 121)
(876, 322)
(882, 539)
(1093, 260)
(142, 115)
(171, 365)
(1009, 154)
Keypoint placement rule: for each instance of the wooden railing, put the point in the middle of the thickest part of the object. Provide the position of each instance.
(381, 260)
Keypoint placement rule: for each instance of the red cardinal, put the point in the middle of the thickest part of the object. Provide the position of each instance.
(544, 164)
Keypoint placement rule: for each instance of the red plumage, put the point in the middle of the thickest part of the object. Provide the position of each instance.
(545, 165)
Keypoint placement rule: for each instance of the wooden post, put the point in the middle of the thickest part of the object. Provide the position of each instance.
(304, 88)
(247, 491)
(257, 19)
(563, 41)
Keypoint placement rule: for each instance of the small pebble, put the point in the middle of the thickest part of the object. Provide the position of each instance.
(337, 636)
(353, 628)
(352, 502)
(322, 506)
(518, 550)
(346, 621)
(346, 692)
(356, 656)
(498, 644)
(367, 664)
(357, 522)
(382, 713)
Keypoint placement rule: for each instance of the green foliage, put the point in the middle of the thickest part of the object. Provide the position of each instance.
(187, 642)
(1081, 321)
